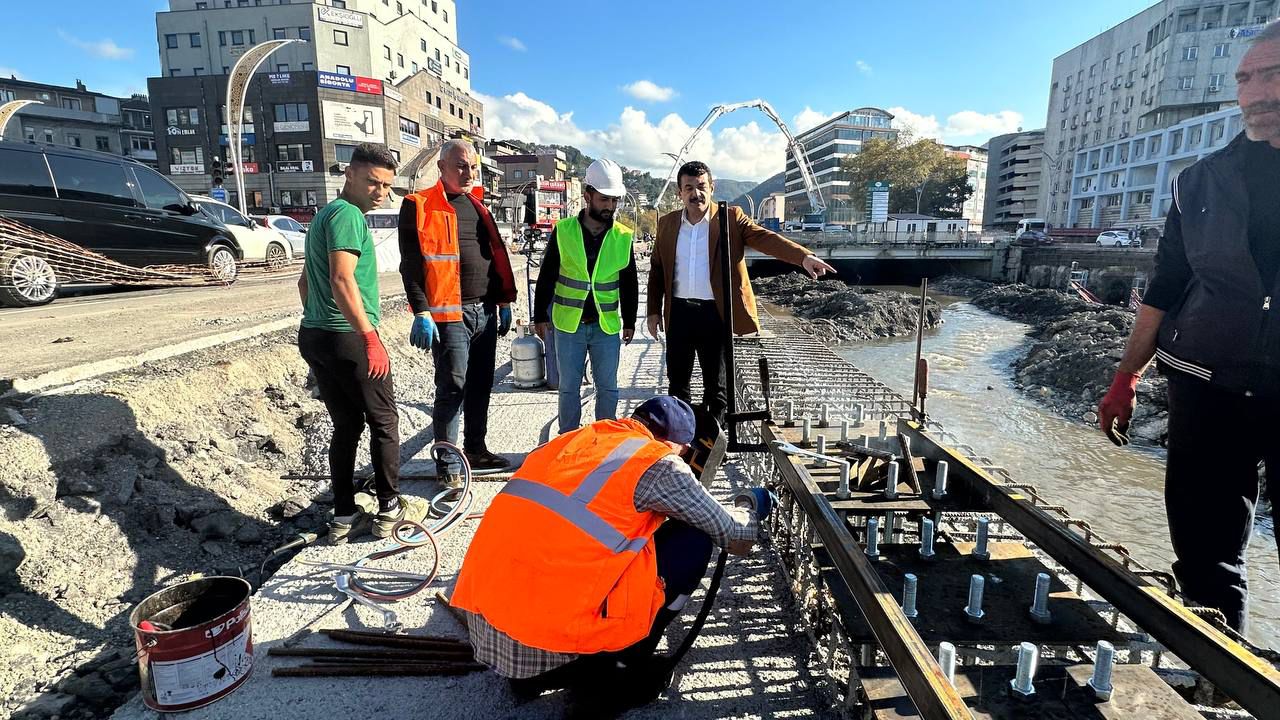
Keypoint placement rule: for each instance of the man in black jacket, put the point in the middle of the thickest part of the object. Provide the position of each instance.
(1207, 320)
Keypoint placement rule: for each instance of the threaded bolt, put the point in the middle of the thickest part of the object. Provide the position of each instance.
(825, 419)
(884, 431)
(873, 538)
(843, 490)
(806, 430)
(791, 413)
(947, 659)
(1028, 657)
(974, 608)
(909, 595)
(926, 538)
(1103, 663)
(844, 430)
(940, 480)
(891, 481)
(1040, 605)
(980, 550)
(821, 450)
(858, 415)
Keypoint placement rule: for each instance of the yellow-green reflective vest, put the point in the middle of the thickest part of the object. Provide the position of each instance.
(574, 283)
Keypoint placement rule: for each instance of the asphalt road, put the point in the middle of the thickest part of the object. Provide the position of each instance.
(103, 323)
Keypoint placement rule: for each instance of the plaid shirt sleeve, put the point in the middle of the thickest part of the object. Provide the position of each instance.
(670, 488)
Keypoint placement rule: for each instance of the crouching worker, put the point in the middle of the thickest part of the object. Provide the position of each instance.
(590, 551)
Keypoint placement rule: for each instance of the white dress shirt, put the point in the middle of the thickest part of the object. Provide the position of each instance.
(693, 267)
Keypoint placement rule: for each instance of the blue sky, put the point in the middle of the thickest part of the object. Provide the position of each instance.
(630, 80)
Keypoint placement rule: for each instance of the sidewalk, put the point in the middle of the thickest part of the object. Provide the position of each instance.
(750, 661)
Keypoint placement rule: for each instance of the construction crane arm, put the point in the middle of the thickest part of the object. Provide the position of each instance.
(797, 150)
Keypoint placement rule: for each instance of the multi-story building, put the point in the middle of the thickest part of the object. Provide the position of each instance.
(1014, 178)
(975, 164)
(1127, 183)
(369, 70)
(78, 117)
(826, 147)
(1169, 63)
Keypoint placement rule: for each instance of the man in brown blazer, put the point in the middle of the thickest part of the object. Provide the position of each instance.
(685, 286)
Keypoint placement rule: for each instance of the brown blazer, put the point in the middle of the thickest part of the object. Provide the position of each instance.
(742, 233)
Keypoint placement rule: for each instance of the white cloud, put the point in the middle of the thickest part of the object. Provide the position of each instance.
(105, 48)
(513, 42)
(922, 126)
(808, 118)
(863, 67)
(649, 91)
(966, 125)
(7, 72)
(636, 141)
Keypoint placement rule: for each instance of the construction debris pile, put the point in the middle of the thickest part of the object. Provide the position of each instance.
(1074, 352)
(840, 312)
(132, 481)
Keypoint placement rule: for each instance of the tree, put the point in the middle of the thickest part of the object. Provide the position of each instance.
(909, 165)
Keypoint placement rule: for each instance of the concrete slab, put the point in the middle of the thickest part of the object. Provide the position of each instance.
(751, 660)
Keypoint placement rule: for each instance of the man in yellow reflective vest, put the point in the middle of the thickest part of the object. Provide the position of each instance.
(589, 553)
(588, 285)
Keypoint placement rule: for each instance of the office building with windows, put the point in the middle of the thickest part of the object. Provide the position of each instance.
(382, 71)
(79, 117)
(826, 147)
(975, 167)
(1015, 164)
(1161, 68)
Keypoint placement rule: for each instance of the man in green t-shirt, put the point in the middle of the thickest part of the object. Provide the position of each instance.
(339, 340)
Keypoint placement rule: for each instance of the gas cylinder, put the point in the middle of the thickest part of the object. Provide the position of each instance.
(527, 352)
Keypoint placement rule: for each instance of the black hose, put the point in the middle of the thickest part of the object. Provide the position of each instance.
(674, 658)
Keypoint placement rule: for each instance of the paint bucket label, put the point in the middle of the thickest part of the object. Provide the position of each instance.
(203, 676)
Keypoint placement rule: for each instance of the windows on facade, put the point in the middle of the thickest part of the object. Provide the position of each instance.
(1191, 52)
(171, 42)
(194, 39)
(1222, 50)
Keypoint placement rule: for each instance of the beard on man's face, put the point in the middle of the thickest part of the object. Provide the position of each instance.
(603, 216)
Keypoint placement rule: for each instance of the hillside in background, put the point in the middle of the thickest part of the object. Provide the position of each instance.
(759, 192)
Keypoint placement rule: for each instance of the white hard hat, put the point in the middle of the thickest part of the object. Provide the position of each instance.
(606, 177)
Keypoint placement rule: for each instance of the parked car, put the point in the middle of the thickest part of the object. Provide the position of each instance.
(260, 244)
(1033, 238)
(834, 227)
(291, 229)
(791, 226)
(1117, 238)
(106, 204)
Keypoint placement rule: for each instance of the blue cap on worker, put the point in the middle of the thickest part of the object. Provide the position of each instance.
(668, 418)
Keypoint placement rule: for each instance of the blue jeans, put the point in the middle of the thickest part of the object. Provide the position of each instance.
(464, 356)
(571, 356)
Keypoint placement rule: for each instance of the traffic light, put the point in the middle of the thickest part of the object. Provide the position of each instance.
(217, 168)
(530, 206)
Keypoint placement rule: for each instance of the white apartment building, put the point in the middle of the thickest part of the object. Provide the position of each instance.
(826, 147)
(975, 161)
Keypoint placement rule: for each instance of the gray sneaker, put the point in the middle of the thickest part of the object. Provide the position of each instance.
(453, 481)
(341, 531)
(412, 509)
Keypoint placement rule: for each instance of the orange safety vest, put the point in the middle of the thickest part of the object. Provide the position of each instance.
(562, 560)
(437, 225)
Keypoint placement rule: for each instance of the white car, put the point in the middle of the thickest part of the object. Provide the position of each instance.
(291, 229)
(1117, 238)
(259, 244)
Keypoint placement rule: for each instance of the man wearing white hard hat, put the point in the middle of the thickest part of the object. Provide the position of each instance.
(588, 294)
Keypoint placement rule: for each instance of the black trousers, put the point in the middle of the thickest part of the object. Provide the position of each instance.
(683, 553)
(696, 329)
(464, 356)
(354, 400)
(1216, 439)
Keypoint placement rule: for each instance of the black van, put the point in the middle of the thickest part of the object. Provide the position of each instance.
(104, 203)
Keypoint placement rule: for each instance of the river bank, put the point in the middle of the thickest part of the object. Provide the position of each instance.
(840, 312)
(1074, 350)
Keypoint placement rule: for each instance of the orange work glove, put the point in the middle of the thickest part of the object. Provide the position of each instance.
(379, 363)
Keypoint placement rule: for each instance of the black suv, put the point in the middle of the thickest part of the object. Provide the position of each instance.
(104, 203)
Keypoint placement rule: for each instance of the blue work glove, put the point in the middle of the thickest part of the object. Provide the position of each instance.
(423, 332)
(759, 500)
(504, 320)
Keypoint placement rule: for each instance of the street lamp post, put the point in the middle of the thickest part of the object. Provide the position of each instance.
(237, 84)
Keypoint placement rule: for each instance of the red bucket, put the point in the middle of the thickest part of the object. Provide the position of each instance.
(199, 646)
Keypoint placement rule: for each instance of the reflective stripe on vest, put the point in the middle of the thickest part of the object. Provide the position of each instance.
(574, 507)
(438, 243)
(574, 283)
